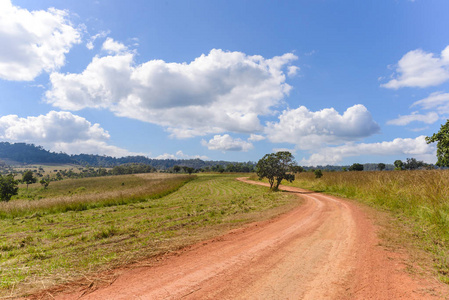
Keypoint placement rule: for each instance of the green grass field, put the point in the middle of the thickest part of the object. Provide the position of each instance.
(419, 199)
(53, 247)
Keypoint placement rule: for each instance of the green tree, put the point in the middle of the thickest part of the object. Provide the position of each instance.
(190, 170)
(356, 167)
(45, 182)
(318, 173)
(275, 168)
(8, 187)
(442, 139)
(413, 164)
(297, 169)
(28, 178)
(381, 166)
(176, 168)
(399, 165)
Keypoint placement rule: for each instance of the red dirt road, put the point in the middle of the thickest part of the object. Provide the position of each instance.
(325, 249)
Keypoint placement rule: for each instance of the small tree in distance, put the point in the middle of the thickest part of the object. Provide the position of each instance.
(275, 168)
(28, 178)
(318, 173)
(356, 167)
(399, 165)
(381, 166)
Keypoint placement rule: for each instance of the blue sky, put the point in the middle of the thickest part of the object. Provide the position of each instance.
(334, 82)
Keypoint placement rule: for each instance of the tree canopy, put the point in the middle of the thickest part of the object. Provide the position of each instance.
(442, 137)
(28, 178)
(356, 167)
(276, 167)
(8, 187)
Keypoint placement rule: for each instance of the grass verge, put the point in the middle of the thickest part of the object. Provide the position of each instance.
(43, 251)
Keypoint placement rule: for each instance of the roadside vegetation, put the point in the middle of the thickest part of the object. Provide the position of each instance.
(419, 198)
(50, 247)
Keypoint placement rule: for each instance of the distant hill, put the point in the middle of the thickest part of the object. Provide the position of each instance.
(22, 153)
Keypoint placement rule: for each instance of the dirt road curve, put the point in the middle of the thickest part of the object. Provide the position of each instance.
(325, 249)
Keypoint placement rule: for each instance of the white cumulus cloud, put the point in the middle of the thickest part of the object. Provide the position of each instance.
(218, 92)
(307, 129)
(418, 68)
(227, 143)
(417, 148)
(113, 47)
(59, 131)
(33, 41)
(256, 137)
(428, 118)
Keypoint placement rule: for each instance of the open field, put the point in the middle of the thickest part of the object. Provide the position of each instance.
(86, 193)
(419, 199)
(43, 249)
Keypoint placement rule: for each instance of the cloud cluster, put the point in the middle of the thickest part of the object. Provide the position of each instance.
(59, 131)
(33, 42)
(418, 68)
(307, 129)
(218, 92)
(227, 143)
(417, 148)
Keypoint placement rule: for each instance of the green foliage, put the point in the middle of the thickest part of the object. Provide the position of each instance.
(318, 173)
(381, 166)
(356, 167)
(442, 137)
(399, 165)
(8, 187)
(275, 168)
(297, 169)
(45, 182)
(28, 178)
(413, 164)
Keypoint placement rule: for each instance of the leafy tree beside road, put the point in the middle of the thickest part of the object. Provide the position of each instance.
(442, 137)
(276, 167)
(8, 187)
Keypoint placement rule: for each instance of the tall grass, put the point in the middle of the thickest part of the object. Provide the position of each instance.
(422, 196)
(82, 194)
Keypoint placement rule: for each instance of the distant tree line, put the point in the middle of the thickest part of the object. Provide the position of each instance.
(30, 154)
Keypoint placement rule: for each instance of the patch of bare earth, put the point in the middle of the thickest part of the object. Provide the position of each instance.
(325, 249)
